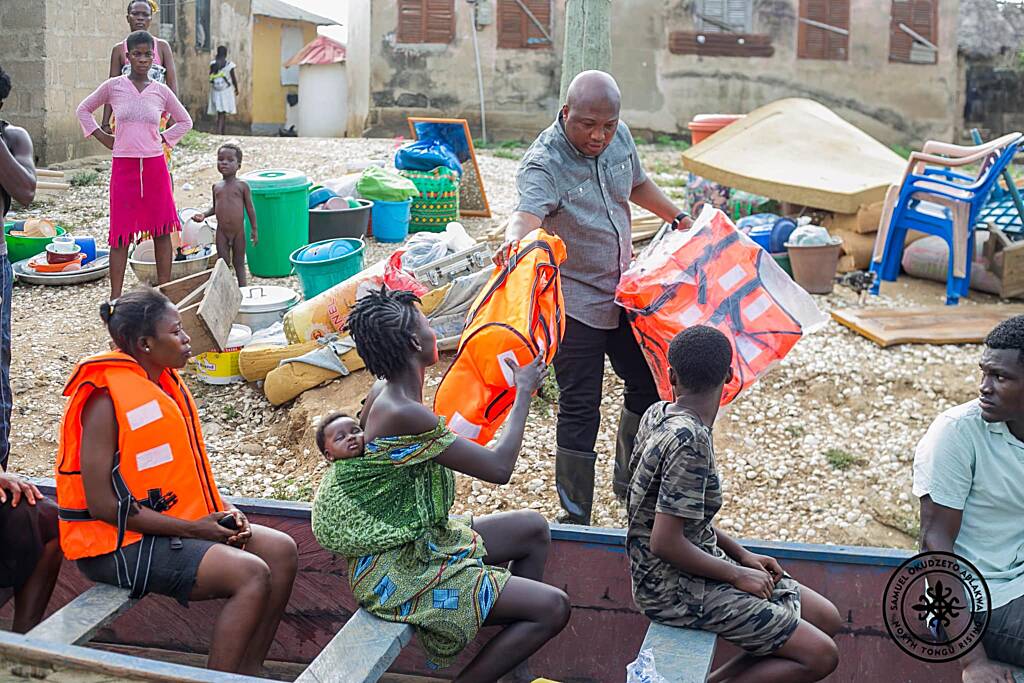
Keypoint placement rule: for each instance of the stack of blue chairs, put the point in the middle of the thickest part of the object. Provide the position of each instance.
(914, 211)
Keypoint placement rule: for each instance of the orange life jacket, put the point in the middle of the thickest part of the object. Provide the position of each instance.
(715, 278)
(519, 315)
(160, 462)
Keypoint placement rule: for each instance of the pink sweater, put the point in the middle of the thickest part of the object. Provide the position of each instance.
(137, 116)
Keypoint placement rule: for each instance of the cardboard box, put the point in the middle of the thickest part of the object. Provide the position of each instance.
(858, 248)
(864, 222)
(1007, 259)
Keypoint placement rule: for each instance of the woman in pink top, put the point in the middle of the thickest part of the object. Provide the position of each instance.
(141, 198)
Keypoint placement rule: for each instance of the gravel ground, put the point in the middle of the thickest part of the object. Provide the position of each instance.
(820, 450)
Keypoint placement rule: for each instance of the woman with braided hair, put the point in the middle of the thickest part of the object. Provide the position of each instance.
(387, 512)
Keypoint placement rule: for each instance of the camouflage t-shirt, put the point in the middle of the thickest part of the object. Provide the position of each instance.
(673, 472)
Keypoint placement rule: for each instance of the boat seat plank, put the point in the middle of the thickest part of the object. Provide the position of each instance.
(681, 655)
(76, 622)
(360, 652)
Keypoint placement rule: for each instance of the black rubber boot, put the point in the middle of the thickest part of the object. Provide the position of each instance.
(629, 423)
(574, 481)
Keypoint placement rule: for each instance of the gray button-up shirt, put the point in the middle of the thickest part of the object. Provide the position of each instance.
(585, 201)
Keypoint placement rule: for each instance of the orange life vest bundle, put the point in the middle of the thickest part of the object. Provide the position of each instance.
(160, 463)
(715, 276)
(519, 315)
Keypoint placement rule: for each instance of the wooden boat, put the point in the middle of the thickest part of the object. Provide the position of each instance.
(152, 639)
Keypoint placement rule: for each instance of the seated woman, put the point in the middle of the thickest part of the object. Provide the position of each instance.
(687, 572)
(30, 556)
(387, 511)
(138, 505)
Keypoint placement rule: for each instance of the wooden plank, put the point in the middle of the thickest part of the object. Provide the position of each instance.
(77, 621)
(926, 325)
(176, 290)
(48, 173)
(681, 655)
(360, 653)
(220, 304)
(713, 44)
(194, 297)
(201, 339)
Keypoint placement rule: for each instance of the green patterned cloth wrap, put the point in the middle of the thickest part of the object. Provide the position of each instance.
(438, 203)
(408, 561)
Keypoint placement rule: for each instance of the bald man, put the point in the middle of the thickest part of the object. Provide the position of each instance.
(577, 180)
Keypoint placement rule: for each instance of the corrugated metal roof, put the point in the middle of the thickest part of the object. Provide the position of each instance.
(321, 50)
(282, 10)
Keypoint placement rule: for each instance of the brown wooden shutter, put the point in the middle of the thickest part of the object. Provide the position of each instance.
(921, 17)
(410, 21)
(440, 21)
(426, 21)
(516, 30)
(814, 42)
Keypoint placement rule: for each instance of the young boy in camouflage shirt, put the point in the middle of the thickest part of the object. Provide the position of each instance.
(688, 573)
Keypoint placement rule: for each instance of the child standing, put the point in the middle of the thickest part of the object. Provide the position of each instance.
(232, 201)
(686, 572)
(223, 88)
(141, 197)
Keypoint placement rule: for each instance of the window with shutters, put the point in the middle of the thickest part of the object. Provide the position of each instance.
(524, 23)
(914, 32)
(824, 29)
(426, 21)
(728, 16)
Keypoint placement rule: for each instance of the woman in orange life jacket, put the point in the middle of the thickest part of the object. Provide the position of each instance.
(409, 448)
(144, 512)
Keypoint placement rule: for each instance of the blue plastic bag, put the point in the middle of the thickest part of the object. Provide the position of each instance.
(426, 155)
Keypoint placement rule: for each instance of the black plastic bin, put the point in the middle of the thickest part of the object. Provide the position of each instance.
(331, 223)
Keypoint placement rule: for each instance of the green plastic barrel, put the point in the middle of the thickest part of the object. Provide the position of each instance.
(280, 197)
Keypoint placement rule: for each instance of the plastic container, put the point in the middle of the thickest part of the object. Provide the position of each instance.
(264, 305)
(705, 125)
(391, 220)
(20, 248)
(782, 258)
(780, 233)
(317, 276)
(280, 197)
(762, 235)
(320, 195)
(222, 367)
(88, 245)
(814, 268)
(325, 224)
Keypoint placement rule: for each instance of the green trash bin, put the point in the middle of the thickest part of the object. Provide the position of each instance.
(281, 199)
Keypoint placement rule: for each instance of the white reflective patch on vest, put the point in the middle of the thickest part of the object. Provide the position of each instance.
(463, 427)
(154, 457)
(690, 316)
(732, 278)
(144, 414)
(748, 349)
(510, 379)
(757, 307)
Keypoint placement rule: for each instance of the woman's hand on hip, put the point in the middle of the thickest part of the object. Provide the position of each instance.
(105, 138)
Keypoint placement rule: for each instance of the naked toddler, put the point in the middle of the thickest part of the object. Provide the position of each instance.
(231, 197)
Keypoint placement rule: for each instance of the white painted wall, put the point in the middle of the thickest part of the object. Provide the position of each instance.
(323, 100)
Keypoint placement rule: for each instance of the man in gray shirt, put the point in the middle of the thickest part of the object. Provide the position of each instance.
(576, 181)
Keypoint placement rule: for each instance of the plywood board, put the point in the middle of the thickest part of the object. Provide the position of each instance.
(176, 290)
(220, 304)
(926, 325)
(472, 197)
(796, 150)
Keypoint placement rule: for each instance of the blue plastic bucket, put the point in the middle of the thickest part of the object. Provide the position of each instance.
(391, 220)
(318, 276)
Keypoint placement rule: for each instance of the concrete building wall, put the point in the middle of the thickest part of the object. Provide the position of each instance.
(520, 85)
(269, 106)
(230, 25)
(57, 52)
(896, 103)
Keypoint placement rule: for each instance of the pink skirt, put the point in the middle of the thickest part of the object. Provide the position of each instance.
(141, 201)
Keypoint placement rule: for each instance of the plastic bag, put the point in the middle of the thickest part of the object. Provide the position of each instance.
(811, 236)
(396, 277)
(385, 185)
(424, 248)
(715, 275)
(642, 669)
(426, 155)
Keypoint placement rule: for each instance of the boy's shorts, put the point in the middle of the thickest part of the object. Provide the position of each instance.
(758, 626)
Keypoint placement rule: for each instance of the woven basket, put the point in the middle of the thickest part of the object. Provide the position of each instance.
(438, 203)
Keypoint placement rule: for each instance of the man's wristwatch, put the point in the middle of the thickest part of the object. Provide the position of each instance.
(679, 219)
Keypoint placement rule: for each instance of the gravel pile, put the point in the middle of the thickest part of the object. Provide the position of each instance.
(818, 451)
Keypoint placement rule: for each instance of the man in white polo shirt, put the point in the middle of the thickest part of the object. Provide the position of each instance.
(969, 476)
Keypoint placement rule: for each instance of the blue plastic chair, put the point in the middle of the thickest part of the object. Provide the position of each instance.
(914, 211)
